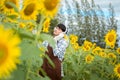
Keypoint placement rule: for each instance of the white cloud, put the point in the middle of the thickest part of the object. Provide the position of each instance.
(118, 18)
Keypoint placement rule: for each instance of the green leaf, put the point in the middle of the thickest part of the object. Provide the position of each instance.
(8, 25)
(50, 61)
(24, 34)
(95, 77)
(18, 74)
(39, 78)
(32, 53)
(12, 16)
(48, 38)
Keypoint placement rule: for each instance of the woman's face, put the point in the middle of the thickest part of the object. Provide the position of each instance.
(57, 31)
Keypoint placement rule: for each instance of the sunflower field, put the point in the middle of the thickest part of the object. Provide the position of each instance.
(24, 28)
(92, 62)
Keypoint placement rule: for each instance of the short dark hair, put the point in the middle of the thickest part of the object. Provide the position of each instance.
(62, 27)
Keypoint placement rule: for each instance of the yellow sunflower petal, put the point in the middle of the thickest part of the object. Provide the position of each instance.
(76, 46)
(8, 9)
(118, 50)
(110, 38)
(9, 52)
(117, 70)
(89, 58)
(46, 25)
(30, 10)
(50, 7)
(111, 55)
(73, 39)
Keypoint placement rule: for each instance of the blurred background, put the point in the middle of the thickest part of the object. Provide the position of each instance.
(89, 19)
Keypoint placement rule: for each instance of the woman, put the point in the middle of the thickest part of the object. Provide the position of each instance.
(56, 54)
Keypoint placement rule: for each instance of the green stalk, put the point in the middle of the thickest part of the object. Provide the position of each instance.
(34, 73)
(39, 28)
(28, 69)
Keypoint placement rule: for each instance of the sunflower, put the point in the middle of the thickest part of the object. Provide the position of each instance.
(87, 45)
(110, 38)
(50, 7)
(46, 25)
(96, 50)
(22, 25)
(8, 9)
(111, 55)
(1, 3)
(30, 26)
(30, 10)
(86, 48)
(9, 52)
(73, 39)
(1, 6)
(118, 50)
(76, 46)
(102, 54)
(117, 70)
(89, 58)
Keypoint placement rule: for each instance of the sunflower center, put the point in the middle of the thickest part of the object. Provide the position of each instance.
(89, 58)
(50, 4)
(111, 38)
(29, 9)
(3, 53)
(118, 70)
(111, 55)
(118, 50)
(47, 24)
(9, 6)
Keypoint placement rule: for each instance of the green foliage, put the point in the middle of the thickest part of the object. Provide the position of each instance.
(48, 38)
(30, 63)
(101, 68)
(31, 53)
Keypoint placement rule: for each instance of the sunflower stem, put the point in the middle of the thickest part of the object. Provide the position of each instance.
(39, 28)
(28, 69)
(36, 74)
